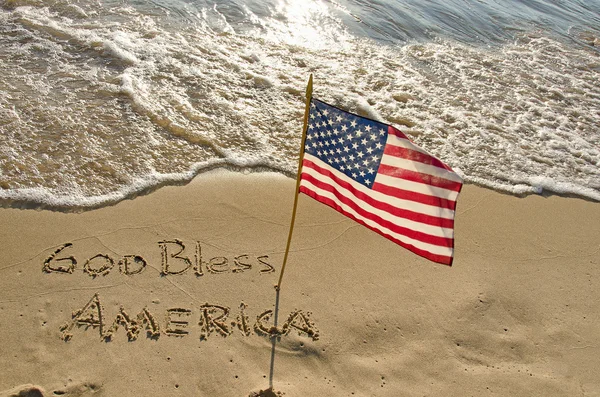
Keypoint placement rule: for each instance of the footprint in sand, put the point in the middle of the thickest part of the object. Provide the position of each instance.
(76, 390)
(266, 393)
(23, 391)
(72, 390)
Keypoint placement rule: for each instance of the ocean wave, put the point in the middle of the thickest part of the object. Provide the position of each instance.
(102, 103)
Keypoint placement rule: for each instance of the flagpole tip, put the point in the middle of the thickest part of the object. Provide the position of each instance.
(309, 87)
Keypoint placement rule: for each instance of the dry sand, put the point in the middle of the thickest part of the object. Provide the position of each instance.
(517, 315)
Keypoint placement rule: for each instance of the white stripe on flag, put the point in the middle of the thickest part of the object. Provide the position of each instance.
(405, 143)
(434, 249)
(416, 166)
(396, 202)
(417, 187)
(417, 226)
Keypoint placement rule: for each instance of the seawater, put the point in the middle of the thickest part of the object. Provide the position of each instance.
(103, 99)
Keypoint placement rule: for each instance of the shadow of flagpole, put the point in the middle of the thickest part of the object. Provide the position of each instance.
(274, 337)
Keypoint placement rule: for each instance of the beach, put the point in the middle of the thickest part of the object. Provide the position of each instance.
(172, 293)
(148, 154)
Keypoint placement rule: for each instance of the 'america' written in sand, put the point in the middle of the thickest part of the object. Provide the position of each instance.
(211, 319)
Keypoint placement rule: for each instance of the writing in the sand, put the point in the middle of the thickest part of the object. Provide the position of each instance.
(173, 262)
(179, 322)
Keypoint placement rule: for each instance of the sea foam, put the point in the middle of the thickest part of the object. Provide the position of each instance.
(106, 102)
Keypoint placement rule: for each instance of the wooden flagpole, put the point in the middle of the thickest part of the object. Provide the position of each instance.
(306, 111)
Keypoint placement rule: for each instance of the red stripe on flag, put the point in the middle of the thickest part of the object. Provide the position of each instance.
(446, 260)
(395, 131)
(413, 155)
(410, 233)
(399, 212)
(414, 176)
(412, 196)
(413, 234)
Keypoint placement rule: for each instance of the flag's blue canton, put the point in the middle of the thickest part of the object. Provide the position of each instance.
(347, 142)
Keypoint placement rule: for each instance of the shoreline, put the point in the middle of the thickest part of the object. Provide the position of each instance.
(517, 313)
(215, 169)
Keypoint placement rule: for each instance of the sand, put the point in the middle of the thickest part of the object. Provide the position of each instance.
(103, 303)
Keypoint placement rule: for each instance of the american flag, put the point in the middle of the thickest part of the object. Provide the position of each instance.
(372, 173)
